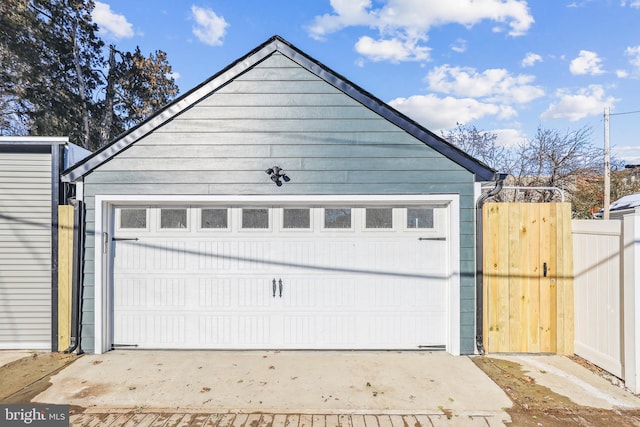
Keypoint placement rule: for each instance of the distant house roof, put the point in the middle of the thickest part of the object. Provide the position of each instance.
(626, 202)
(277, 44)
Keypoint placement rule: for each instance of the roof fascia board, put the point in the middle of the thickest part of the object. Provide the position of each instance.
(33, 140)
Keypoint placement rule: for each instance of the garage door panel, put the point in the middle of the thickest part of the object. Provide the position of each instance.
(228, 294)
(233, 255)
(340, 289)
(376, 317)
(362, 331)
(337, 331)
(192, 330)
(144, 329)
(130, 256)
(233, 331)
(169, 256)
(362, 255)
(362, 292)
(152, 293)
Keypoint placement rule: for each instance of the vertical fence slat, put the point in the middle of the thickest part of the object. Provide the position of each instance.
(568, 330)
(561, 302)
(495, 267)
(521, 292)
(553, 275)
(65, 262)
(503, 259)
(546, 256)
(514, 278)
(534, 276)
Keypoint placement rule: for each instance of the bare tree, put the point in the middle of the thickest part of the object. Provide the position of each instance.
(556, 159)
(482, 145)
(550, 159)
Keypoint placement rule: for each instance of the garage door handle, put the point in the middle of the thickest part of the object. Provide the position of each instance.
(280, 287)
(274, 288)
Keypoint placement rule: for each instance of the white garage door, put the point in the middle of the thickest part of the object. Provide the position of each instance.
(265, 277)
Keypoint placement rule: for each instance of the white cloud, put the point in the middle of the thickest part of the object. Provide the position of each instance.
(210, 28)
(631, 3)
(459, 46)
(509, 137)
(589, 101)
(587, 62)
(443, 113)
(113, 24)
(630, 154)
(575, 4)
(622, 74)
(175, 75)
(405, 23)
(634, 54)
(347, 13)
(530, 59)
(393, 50)
(496, 85)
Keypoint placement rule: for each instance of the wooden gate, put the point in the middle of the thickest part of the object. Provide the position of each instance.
(528, 278)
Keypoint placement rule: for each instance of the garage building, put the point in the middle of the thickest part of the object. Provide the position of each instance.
(279, 206)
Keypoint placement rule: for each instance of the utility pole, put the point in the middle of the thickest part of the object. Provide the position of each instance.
(607, 166)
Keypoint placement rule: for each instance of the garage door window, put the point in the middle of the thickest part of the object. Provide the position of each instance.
(133, 218)
(419, 217)
(173, 218)
(214, 218)
(337, 218)
(379, 218)
(296, 218)
(255, 218)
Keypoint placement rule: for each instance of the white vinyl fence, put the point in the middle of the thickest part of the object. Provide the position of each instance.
(607, 295)
(597, 292)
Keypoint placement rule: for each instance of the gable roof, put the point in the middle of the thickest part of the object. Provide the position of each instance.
(481, 171)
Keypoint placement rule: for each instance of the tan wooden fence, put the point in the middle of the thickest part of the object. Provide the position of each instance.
(65, 272)
(528, 278)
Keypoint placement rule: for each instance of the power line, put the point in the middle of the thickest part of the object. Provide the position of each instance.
(626, 112)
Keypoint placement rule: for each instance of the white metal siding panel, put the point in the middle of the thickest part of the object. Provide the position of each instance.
(25, 250)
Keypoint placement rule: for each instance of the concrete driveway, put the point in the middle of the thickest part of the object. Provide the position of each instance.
(279, 382)
(315, 389)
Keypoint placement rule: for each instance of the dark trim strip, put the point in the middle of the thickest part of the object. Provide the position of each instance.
(57, 159)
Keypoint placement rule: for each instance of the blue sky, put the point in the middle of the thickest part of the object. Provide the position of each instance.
(505, 66)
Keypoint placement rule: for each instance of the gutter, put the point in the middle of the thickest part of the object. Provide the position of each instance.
(499, 184)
